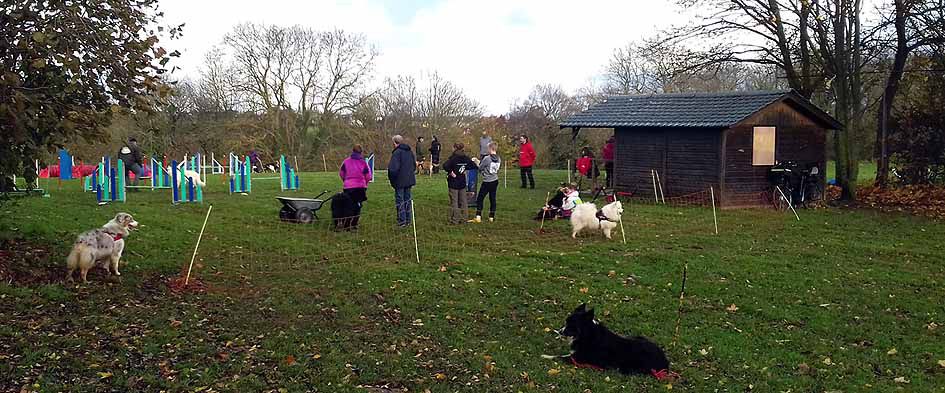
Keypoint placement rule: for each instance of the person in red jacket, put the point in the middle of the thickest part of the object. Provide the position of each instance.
(607, 153)
(526, 158)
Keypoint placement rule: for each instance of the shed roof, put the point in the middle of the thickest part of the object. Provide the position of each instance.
(692, 110)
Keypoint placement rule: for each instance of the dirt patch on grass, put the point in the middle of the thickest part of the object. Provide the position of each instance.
(28, 263)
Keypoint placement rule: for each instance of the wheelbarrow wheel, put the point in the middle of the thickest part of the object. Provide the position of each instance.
(285, 214)
(305, 216)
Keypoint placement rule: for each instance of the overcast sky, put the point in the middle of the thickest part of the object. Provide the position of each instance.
(495, 50)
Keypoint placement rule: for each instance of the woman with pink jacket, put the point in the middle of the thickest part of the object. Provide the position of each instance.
(356, 175)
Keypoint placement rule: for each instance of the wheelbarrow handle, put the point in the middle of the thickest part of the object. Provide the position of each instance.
(319, 195)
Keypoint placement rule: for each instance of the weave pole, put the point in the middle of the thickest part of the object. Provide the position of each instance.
(660, 184)
(714, 217)
(622, 232)
(791, 205)
(655, 194)
(682, 295)
(413, 220)
(200, 236)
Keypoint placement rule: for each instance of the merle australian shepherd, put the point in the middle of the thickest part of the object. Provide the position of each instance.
(595, 346)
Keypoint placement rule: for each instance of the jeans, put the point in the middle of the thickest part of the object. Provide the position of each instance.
(136, 169)
(402, 199)
(527, 175)
(458, 205)
(487, 188)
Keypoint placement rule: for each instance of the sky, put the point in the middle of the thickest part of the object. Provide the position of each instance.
(495, 50)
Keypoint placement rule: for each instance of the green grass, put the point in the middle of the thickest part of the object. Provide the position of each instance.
(865, 175)
(302, 308)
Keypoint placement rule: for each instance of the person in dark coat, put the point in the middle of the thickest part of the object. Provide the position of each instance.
(435, 154)
(133, 159)
(419, 151)
(400, 172)
(456, 168)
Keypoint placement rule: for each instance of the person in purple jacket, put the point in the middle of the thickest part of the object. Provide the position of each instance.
(356, 175)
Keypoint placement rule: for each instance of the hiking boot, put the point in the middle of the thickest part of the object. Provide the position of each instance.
(476, 220)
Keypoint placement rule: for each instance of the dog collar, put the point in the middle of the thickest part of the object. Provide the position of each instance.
(116, 236)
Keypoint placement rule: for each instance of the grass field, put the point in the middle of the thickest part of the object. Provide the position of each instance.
(842, 300)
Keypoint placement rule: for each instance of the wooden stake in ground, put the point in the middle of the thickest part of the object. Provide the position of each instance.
(200, 236)
(660, 184)
(324, 162)
(543, 211)
(682, 295)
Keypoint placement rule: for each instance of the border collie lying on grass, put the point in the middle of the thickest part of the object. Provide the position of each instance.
(595, 346)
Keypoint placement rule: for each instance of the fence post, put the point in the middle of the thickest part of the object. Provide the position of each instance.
(413, 220)
(714, 217)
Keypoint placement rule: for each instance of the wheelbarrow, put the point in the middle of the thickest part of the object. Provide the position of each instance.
(301, 210)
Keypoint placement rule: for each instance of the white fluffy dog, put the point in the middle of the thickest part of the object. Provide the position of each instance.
(188, 174)
(104, 244)
(586, 216)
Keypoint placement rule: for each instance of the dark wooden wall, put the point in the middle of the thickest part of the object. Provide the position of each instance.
(687, 159)
(797, 138)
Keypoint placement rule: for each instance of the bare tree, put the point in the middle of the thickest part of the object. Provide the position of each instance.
(553, 101)
(349, 61)
(819, 45)
(912, 24)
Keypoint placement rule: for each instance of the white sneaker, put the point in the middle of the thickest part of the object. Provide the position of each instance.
(491, 219)
(476, 220)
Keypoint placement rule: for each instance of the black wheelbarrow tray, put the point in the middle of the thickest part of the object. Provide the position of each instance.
(301, 210)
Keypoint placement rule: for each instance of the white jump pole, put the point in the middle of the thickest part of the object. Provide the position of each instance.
(656, 195)
(569, 171)
(622, 232)
(714, 217)
(791, 205)
(413, 220)
(200, 236)
(660, 184)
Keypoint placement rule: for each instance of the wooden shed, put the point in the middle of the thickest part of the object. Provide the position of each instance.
(728, 141)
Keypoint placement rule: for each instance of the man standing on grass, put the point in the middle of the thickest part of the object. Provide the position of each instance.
(400, 172)
(131, 155)
(526, 158)
(484, 142)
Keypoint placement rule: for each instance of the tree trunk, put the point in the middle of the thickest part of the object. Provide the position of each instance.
(889, 94)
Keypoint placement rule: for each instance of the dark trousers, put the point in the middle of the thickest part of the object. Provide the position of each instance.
(487, 188)
(609, 168)
(527, 176)
(135, 168)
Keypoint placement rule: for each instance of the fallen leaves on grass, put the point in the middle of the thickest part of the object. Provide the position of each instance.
(892, 351)
(554, 372)
(901, 380)
(290, 360)
(923, 200)
(941, 363)
(440, 376)
(584, 290)
(732, 308)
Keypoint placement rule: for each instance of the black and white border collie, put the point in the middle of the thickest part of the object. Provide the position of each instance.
(595, 346)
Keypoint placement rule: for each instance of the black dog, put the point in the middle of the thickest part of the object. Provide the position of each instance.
(553, 209)
(593, 345)
(344, 212)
